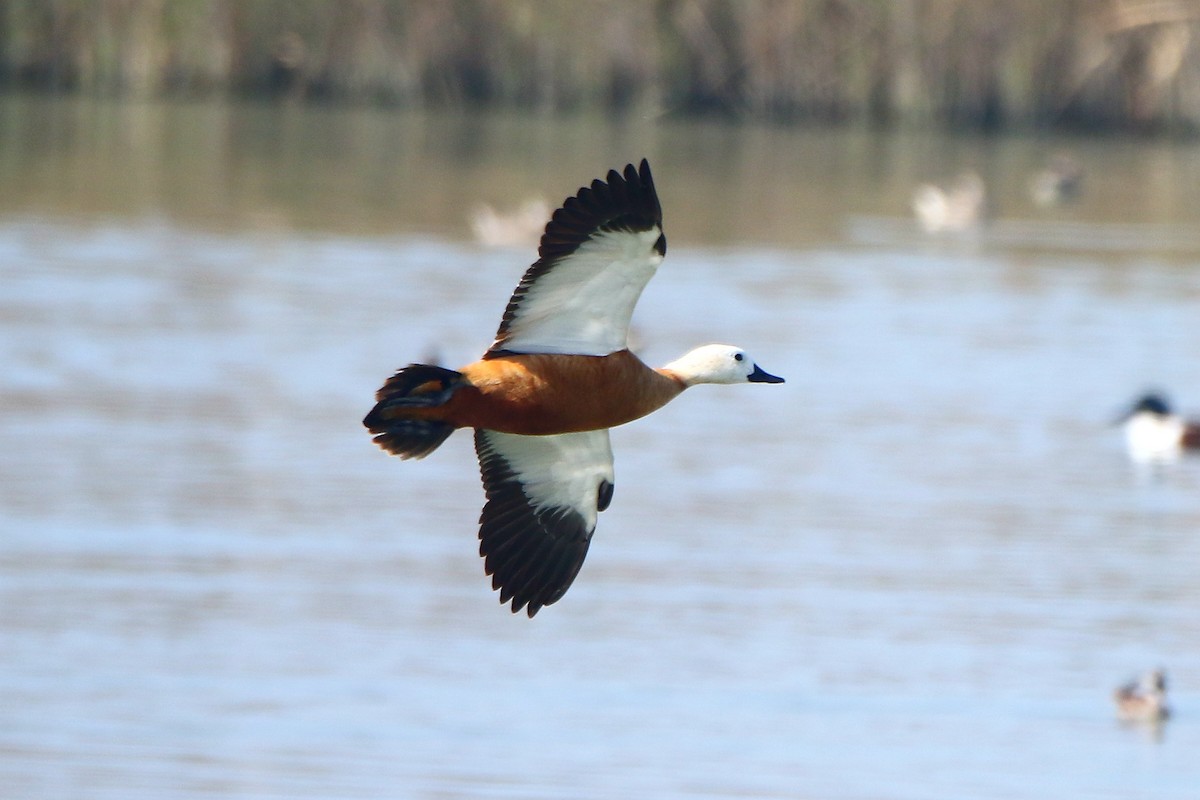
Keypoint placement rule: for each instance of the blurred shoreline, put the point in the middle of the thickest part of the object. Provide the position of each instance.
(1119, 65)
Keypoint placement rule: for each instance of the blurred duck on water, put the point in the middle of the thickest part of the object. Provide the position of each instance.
(955, 208)
(519, 228)
(1058, 183)
(1143, 700)
(558, 375)
(1153, 432)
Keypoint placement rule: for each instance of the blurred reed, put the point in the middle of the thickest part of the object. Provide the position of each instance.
(1110, 64)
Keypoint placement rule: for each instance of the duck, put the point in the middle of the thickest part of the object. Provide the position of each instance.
(1143, 700)
(956, 208)
(1058, 183)
(557, 376)
(1153, 432)
(518, 228)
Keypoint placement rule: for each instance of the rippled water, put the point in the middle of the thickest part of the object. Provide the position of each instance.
(916, 570)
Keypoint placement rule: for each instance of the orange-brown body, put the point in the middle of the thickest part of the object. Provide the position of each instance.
(547, 394)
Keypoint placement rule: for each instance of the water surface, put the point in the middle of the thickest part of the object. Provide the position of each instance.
(915, 570)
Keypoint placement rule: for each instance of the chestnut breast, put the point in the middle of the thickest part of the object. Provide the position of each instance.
(535, 394)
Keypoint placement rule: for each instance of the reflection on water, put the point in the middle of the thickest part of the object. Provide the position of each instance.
(369, 171)
(918, 569)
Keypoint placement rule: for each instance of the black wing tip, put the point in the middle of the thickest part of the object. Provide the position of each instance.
(625, 200)
(642, 175)
(533, 556)
(542, 569)
(622, 200)
(517, 605)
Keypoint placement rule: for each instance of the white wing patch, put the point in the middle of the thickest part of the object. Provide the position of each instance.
(544, 494)
(582, 305)
(599, 250)
(565, 470)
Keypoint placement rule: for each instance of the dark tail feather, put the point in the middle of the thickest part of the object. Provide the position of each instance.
(415, 386)
(412, 438)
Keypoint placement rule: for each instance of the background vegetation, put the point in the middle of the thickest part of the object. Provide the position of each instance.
(1129, 64)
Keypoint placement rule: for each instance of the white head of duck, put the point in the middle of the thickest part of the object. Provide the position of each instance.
(718, 363)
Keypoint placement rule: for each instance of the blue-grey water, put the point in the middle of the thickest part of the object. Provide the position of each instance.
(915, 570)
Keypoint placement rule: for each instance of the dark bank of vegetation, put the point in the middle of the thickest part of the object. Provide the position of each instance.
(1096, 64)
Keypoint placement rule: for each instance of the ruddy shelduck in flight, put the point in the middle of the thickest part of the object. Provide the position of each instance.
(557, 377)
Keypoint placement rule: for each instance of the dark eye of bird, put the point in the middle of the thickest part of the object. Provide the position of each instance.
(738, 356)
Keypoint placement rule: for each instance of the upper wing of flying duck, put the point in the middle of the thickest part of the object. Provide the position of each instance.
(596, 255)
